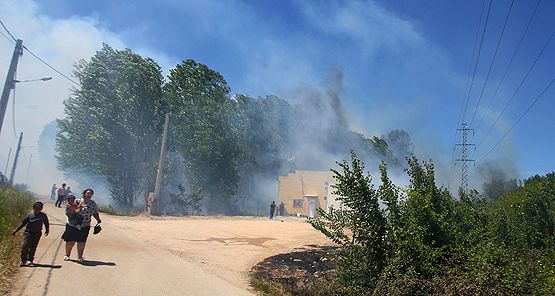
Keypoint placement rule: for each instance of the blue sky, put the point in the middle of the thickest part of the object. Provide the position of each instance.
(405, 62)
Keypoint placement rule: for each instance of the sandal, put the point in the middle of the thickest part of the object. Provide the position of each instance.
(81, 260)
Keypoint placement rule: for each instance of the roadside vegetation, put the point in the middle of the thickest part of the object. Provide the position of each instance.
(421, 240)
(14, 205)
(424, 241)
(107, 209)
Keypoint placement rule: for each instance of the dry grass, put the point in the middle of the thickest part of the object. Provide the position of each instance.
(8, 263)
(13, 207)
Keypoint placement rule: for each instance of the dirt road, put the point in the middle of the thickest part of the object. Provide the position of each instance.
(161, 256)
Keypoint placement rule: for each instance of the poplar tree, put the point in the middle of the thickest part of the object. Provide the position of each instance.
(113, 122)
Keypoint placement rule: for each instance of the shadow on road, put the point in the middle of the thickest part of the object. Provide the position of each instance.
(96, 263)
(44, 266)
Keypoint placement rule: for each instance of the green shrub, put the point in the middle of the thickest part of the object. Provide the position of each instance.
(14, 205)
(423, 241)
(107, 209)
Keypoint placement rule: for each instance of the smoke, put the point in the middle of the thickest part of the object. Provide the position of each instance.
(61, 42)
(334, 92)
(318, 134)
(319, 130)
(497, 178)
(497, 170)
(44, 171)
(80, 181)
(175, 176)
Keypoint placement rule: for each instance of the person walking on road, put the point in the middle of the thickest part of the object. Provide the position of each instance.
(61, 192)
(74, 218)
(281, 209)
(272, 209)
(33, 232)
(87, 209)
(53, 192)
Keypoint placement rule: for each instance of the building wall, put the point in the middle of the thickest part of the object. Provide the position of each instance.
(332, 200)
(301, 185)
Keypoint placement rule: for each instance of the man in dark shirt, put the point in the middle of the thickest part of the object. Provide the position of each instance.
(33, 231)
(272, 209)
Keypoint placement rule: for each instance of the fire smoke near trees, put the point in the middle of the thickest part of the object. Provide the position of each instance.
(224, 150)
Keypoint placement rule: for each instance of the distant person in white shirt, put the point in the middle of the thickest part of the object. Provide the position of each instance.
(61, 192)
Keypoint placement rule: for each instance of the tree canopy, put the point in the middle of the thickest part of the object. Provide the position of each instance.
(113, 122)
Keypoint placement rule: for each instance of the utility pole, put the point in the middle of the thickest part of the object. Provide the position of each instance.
(9, 84)
(464, 155)
(12, 175)
(8, 161)
(160, 174)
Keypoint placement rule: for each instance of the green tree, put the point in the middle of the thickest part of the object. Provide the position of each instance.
(207, 130)
(114, 122)
(399, 144)
(266, 132)
(265, 142)
(428, 231)
(359, 226)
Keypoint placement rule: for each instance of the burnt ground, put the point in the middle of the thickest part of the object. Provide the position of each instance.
(302, 272)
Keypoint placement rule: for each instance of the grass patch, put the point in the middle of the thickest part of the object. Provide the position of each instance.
(14, 205)
(111, 210)
(266, 288)
(107, 209)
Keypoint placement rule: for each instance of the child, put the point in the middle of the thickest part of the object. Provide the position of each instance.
(72, 212)
(33, 231)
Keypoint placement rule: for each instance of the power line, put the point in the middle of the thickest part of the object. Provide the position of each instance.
(38, 58)
(477, 60)
(471, 63)
(518, 88)
(9, 33)
(492, 61)
(7, 38)
(521, 116)
(48, 65)
(452, 161)
(509, 64)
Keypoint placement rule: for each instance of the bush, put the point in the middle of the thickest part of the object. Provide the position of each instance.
(423, 241)
(107, 209)
(14, 205)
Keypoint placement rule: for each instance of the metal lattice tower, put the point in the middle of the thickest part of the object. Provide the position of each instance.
(464, 155)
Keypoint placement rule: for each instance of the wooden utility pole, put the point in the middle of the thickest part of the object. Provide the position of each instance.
(12, 175)
(153, 207)
(10, 80)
